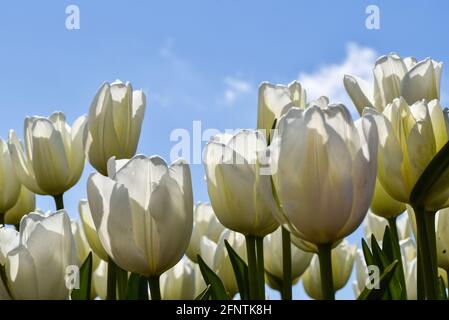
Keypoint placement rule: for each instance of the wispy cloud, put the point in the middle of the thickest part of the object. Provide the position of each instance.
(235, 88)
(328, 79)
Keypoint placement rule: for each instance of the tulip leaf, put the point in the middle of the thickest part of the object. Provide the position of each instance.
(443, 295)
(394, 286)
(205, 294)
(217, 291)
(137, 287)
(387, 247)
(85, 280)
(240, 271)
(384, 282)
(435, 170)
(369, 258)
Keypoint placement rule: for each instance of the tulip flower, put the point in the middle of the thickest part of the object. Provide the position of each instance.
(115, 121)
(324, 171)
(300, 260)
(395, 77)
(99, 280)
(25, 204)
(90, 230)
(9, 183)
(178, 283)
(442, 223)
(36, 267)
(343, 256)
(275, 100)
(143, 215)
(221, 262)
(238, 182)
(52, 160)
(384, 205)
(205, 224)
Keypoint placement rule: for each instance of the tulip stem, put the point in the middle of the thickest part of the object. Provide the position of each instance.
(59, 201)
(2, 218)
(112, 281)
(397, 255)
(427, 250)
(327, 281)
(447, 278)
(260, 268)
(286, 265)
(252, 267)
(155, 289)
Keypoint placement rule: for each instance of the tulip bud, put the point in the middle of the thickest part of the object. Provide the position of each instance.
(342, 261)
(143, 214)
(53, 157)
(36, 268)
(324, 171)
(205, 224)
(90, 231)
(275, 100)
(115, 121)
(273, 257)
(409, 137)
(239, 189)
(222, 263)
(178, 283)
(395, 77)
(25, 204)
(383, 204)
(9, 183)
(442, 223)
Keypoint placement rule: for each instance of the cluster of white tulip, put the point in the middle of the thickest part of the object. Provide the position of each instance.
(283, 198)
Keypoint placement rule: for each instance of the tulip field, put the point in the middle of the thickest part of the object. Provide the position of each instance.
(324, 197)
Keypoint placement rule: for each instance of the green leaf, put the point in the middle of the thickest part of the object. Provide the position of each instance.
(217, 291)
(384, 283)
(387, 246)
(137, 287)
(85, 276)
(240, 271)
(443, 295)
(205, 294)
(435, 170)
(394, 287)
(369, 258)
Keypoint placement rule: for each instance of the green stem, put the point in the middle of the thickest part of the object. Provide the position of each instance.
(286, 265)
(397, 256)
(2, 218)
(155, 289)
(447, 278)
(424, 252)
(252, 267)
(429, 218)
(59, 201)
(17, 226)
(260, 268)
(112, 281)
(327, 281)
(421, 290)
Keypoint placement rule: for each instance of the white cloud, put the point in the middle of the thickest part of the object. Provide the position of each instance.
(235, 88)
(328, 79)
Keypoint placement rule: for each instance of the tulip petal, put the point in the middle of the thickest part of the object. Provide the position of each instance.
(420, 83)
(359, 92)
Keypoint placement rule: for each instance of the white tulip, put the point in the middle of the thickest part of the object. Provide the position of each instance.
(205, 224)
(37, 266)
(25, 204)
(178, 283)
(239, 191)
(374, 225)
(90, 231)
(143, 214)
(9, 183)
(342, 261)
(275, 100)
(52, 160)
(395, 77)
(409, 137)
(324, 171)
(115, 121)
(273, 257)
(100, 280)
(383, 204)
(442, 237)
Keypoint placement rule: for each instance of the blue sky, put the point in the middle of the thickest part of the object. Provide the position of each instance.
(197, 60)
